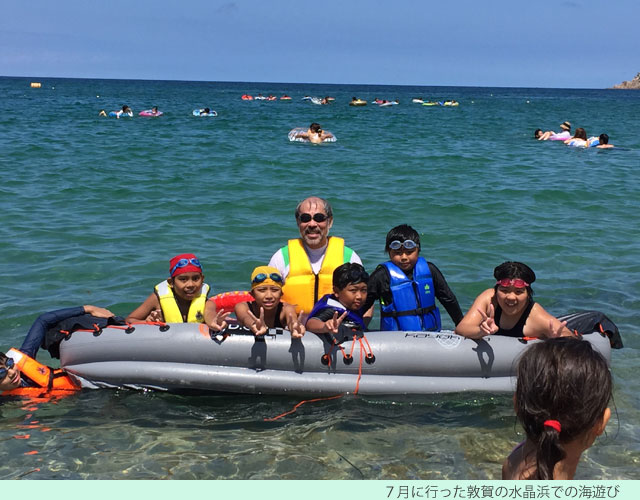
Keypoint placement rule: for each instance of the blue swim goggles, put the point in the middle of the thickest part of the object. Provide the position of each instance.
(408, 244)
(262, 277)
(183, 263)
(8, 364)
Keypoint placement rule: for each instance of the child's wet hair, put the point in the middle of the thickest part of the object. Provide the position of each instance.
(3, 358)
(402, 233)
(349, 273)
(564, 380)
(580, 134)
(515, 270)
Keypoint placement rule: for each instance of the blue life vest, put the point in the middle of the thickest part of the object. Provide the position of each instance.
(414, 300)
(331, 302)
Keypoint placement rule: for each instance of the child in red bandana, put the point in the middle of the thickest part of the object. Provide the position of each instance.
(180, 298)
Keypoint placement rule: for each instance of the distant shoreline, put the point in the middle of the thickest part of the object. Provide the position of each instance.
(629, 84)
(358, 85)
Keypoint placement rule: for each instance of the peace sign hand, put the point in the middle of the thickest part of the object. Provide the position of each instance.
(296, 327)
(219, 321)
(488, 324)
(556, 332)
(258, 327)
(155, 316)
(334, 323)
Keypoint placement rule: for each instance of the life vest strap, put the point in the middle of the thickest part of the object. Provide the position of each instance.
(420, 311)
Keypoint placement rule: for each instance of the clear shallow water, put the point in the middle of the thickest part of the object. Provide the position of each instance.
(91, 209)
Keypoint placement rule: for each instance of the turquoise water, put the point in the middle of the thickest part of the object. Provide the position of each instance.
(91, 210)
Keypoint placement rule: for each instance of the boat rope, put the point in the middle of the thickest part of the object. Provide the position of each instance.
(128, 328)
(364, 355)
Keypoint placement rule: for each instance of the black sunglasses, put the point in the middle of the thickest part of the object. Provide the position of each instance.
(8, 364)
(316, 217)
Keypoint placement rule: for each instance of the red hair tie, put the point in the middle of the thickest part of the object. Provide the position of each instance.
(553, 424)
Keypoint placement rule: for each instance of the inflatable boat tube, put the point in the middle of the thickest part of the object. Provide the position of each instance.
(186, 356)
(294, 135)
(149, 112)
(200, 112)
(247, 97)
(358, 102)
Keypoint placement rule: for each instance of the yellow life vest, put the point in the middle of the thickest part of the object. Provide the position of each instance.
(170, 309)
(47, 381)
(303, 287)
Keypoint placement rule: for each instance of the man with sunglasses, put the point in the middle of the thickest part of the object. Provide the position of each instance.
(407, 286)
(307, 263)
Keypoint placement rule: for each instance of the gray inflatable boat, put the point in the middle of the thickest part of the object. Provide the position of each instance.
(187, 357)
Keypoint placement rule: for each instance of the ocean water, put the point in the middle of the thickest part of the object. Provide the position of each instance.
(92, 209)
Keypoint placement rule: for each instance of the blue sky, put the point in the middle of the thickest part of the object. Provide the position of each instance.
(562, 43)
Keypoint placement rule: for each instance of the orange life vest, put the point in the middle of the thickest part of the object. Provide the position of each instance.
(47, 382)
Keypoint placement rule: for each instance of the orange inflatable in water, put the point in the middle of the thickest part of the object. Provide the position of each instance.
(225, 302)
(47, 382)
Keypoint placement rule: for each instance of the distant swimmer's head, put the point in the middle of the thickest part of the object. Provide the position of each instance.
(315, 128)
(206, 110)
(580, 134)
(603, 139)
(126, 108)
(566, 126)
(514, 274)
(537, 133)
(154, 109)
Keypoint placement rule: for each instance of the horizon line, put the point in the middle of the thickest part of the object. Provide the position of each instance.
(301, 83)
